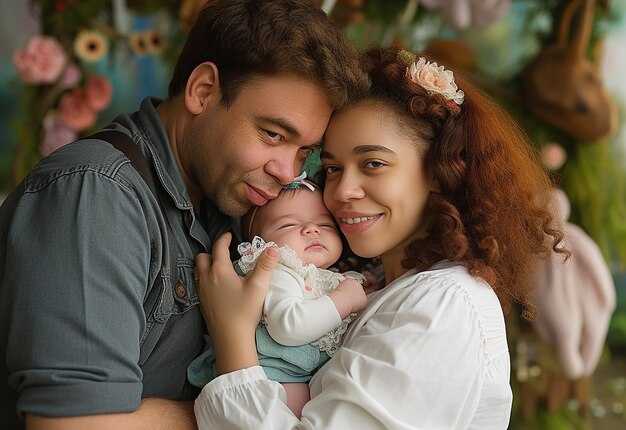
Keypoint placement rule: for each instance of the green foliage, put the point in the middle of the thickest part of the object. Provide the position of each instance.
(384, 11)
(617, 331)
(566, 419)
(27, 131)
(596, 188)
(616, 337)
(65, 23)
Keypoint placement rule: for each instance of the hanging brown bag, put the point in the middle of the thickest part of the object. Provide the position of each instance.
(563, 88)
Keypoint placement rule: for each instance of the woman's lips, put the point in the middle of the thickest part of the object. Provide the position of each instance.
(355, 224)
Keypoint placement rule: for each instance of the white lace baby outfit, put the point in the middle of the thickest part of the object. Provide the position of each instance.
(301, 327)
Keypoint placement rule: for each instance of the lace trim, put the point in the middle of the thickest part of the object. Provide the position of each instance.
(331, 341)
(320, 281)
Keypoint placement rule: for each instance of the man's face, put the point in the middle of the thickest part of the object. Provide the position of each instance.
(242, 155)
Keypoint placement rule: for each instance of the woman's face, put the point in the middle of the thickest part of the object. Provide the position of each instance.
(376, 184)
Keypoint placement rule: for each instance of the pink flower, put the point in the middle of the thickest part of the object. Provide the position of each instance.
(553, 156)
(71, 76)
(41, 61)
(55, 134)
(98, 93)
(435, 79)
(75, 112)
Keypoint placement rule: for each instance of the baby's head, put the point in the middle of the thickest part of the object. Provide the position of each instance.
(299, 219)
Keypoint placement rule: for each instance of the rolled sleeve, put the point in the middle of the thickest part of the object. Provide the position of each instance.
(77, 262)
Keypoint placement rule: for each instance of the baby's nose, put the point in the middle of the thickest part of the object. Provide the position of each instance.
(311, 228)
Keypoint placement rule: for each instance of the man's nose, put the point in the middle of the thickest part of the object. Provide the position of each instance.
(284, 169)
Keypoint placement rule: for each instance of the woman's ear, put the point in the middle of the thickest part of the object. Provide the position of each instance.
(435, 187)
(203, 88)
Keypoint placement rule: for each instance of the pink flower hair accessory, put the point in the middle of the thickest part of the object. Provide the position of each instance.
(435, 79)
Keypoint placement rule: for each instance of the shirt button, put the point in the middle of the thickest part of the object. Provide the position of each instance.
(181, 291)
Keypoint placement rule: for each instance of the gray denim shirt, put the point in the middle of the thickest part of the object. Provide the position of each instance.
(90, 320)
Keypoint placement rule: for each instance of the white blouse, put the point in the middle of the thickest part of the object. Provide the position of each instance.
(428, 352)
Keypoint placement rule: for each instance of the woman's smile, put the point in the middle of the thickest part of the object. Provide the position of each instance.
(351, 225)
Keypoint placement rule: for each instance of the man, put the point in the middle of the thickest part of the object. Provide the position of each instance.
(96, 327)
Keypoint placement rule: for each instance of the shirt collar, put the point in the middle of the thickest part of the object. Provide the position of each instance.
(156, 140)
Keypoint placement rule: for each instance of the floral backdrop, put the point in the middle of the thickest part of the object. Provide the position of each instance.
(69, 66)
(71, 63)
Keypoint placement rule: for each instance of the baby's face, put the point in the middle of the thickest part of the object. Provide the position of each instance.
(301, 221)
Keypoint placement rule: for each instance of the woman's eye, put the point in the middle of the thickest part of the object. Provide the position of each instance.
(374, 164)
(331, 169)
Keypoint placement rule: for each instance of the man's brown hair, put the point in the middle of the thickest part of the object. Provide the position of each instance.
(248, 38)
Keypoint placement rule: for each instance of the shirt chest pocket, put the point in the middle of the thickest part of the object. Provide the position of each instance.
(168, 302)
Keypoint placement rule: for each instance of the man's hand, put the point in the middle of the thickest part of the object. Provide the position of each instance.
(232, 305)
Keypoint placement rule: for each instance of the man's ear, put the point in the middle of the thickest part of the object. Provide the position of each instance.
(203, 88)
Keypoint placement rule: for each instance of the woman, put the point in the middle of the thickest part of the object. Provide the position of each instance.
(442, 185)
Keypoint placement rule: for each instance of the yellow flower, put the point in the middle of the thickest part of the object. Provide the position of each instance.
(91, 46)
(154, 41)
(138, 43)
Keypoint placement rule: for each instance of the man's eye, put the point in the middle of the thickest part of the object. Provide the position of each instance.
(273, 136)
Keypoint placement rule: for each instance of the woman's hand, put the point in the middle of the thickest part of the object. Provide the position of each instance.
(371, 283)
(232, 305)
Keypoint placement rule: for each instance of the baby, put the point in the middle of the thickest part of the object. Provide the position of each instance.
(307, 308)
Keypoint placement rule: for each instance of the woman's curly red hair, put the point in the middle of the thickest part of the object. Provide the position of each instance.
(491, 211)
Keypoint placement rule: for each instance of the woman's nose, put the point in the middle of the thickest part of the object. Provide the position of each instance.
(347, 188)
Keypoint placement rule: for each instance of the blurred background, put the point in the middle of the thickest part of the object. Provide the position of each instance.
(67, 67)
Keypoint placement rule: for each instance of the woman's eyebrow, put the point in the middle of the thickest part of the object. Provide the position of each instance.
(361, 149)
